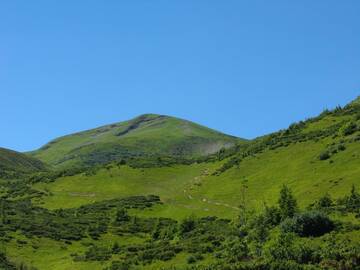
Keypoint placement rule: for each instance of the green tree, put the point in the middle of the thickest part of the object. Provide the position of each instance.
(353, 201)
(287, 203)
(272, 215)
(324, 202)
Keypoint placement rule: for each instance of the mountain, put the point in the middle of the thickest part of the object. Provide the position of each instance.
(286, 200)
(316, 156)
(12, 162)
(145, 136)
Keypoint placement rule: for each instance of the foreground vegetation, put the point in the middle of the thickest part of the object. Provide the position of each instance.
(108, 235)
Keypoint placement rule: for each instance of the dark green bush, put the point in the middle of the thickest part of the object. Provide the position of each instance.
(324, 155)
(325, 202)
(117, 265)
(312, 223)
(95, 253)
(191, 259)
(187, 225)
(352, 201)
(348, 128)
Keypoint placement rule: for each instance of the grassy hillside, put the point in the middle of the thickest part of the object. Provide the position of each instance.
(14, 163)
(318, 156)
(204, 215)
(145, 136)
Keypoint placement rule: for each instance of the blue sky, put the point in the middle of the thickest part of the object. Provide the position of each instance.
(243, 67)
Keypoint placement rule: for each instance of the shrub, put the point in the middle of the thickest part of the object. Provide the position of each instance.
(187, 225)
(341, 147)
(324, 202)
(117, 265)
(272, 215)
(116, 248)
(281, 248)
(340, 253)
(285, 265)
(324, 155)
(348, 129)
(95, 253)
(191, 259)
(236, 250)
(312, 223)
(353, 201)
(122, 215)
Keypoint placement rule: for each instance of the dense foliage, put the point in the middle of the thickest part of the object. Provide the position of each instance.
(275, 238)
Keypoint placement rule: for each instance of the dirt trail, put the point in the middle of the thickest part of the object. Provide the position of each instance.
(198, 182)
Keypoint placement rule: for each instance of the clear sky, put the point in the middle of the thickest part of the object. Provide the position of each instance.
(243, 67)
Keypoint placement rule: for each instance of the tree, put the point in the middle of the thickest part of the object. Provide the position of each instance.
(260, 230)
(353, 201)
(324, 202)
(287, 203)
(272, 215)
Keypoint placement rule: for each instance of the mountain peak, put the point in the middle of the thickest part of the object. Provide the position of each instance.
(147, 135)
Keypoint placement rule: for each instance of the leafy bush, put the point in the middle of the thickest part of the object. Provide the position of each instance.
(341, 147)
(122, 215)
(191, 259)
(187, 225)
(116, 248)
(324, 155)
(312, 223)
(117, 265)
(348, 129)
(281, 248)
(4, 263)
(236, 250)
(353, 200)
(325, 202)
(95, 253)
(339, 253)
(272, 215)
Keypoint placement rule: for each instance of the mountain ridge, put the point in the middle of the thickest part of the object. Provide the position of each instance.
(145, 135)
(15, 163)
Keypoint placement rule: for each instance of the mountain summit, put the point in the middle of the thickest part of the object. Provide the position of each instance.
(144, 136)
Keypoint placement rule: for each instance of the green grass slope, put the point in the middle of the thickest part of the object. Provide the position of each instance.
(313, 157)
(144, 136)
(13, 163)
